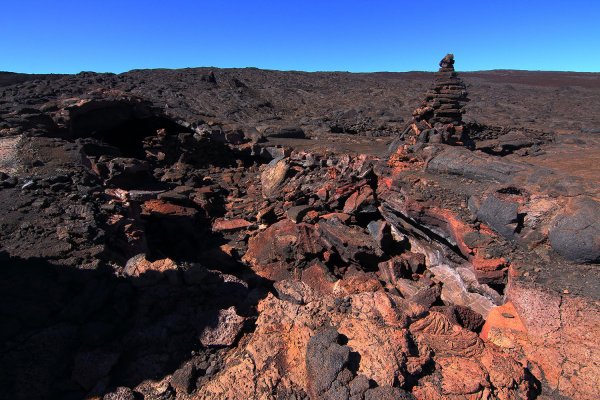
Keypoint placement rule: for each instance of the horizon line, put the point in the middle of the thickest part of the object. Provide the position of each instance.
(297, 70)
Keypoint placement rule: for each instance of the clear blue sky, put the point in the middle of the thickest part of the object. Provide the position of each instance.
(54, 36)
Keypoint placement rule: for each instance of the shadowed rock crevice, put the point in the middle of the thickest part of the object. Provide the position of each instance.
(128, 135)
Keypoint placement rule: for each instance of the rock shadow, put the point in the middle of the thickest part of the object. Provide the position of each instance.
(69, 333)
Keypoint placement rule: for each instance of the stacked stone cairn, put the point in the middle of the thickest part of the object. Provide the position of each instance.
(439, 118)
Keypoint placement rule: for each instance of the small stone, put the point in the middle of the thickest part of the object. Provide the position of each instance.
(211, 370)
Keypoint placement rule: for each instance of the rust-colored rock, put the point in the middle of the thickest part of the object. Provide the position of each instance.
(144, 272)
(166, 208)
(230, 224)
(280, 350)
(358, 199)
(268, 250)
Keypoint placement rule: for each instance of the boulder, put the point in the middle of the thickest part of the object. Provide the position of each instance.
(145, 273)
(270, 251)
(500, 215)
(350, 242)
(273, 177)
(575, 232)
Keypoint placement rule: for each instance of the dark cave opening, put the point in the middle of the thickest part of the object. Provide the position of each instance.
(121, 124)
(128, 135)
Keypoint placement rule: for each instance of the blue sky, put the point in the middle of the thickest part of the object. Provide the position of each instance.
(46, 36)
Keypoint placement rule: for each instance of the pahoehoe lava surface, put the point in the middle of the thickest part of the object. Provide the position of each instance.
(249, 234)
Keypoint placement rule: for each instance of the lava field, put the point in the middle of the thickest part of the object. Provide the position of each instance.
(251, 234)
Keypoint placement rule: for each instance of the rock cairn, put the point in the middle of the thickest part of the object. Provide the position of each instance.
(447, 95)
(439, 117)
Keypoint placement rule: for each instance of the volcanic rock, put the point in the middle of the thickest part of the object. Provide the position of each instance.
(285, 240)
(273, 176)
(296, 213)
(146, 272)
(325, 361)
(230, 224)
(375, 345)
(289, 132)
(359, 199)
(502, 216)
(381, 233)
(574, 233)
(127, 172)
(387, 392)
(120, 393)
(350, 242)
(183, 379)
(221, 329)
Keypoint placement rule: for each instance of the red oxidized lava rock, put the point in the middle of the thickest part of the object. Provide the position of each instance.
(166, 208)
(562, 346)
(281, 355)
(269, 251)
(230, 224)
